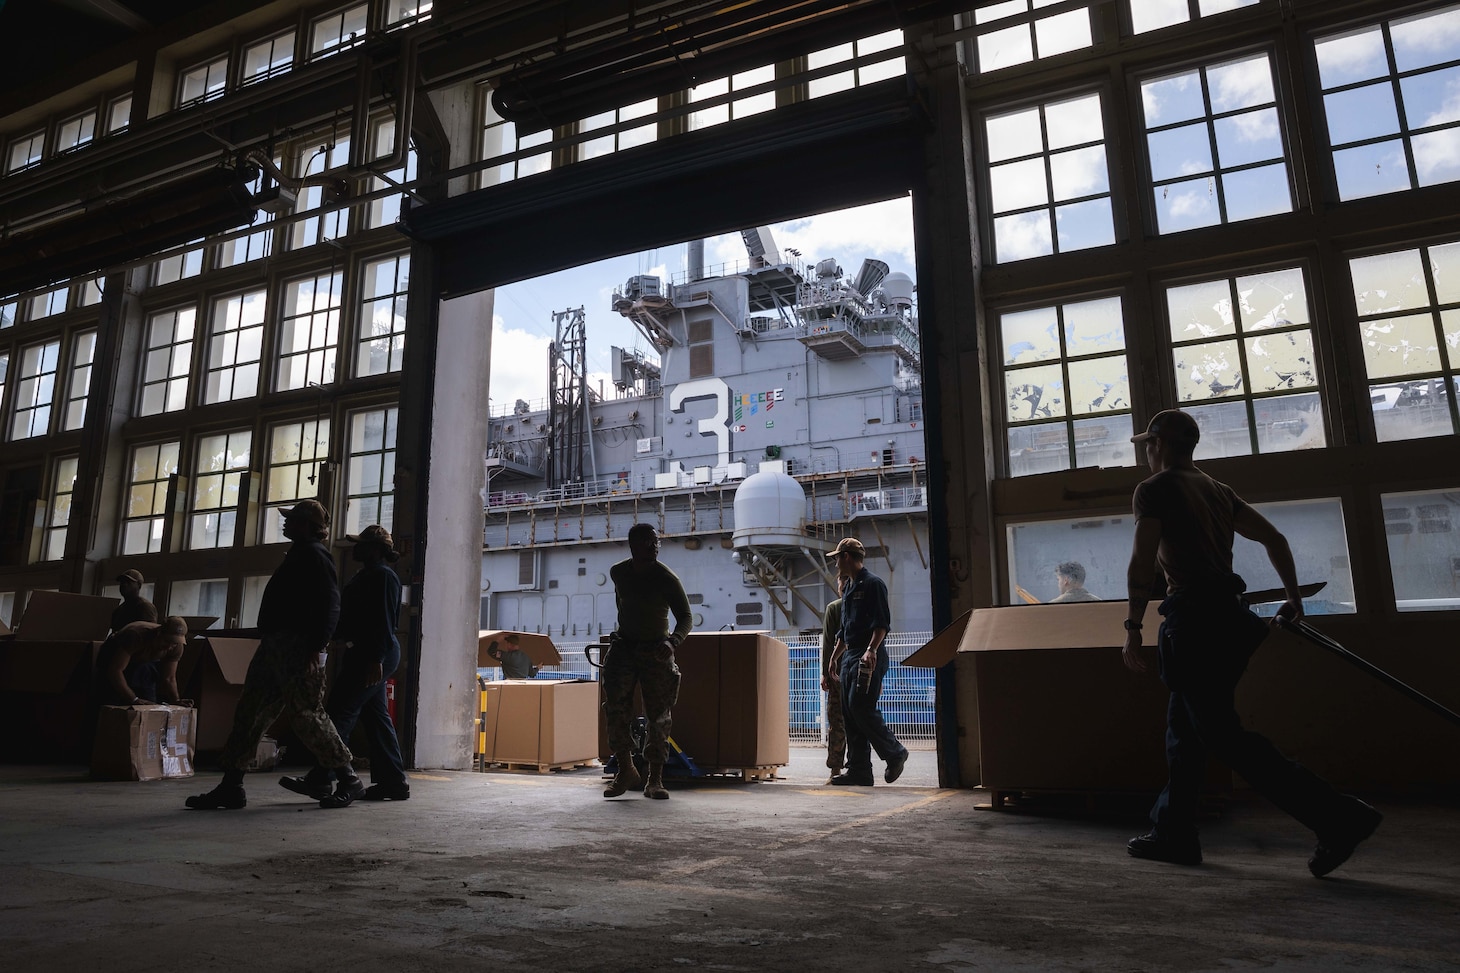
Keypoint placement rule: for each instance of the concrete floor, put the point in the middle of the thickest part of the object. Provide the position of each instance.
(514, 871)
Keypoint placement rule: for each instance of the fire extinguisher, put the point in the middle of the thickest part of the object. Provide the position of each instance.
(390, 699)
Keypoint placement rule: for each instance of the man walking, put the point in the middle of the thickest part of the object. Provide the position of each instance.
(860, 662)
(642, 653)
(836, 728)
(297, 616)
(1185, 523)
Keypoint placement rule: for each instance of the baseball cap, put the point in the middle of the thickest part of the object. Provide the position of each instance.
(849, 545)
(1173, 425)
(375, 534)
(131, 574)
(311, 510)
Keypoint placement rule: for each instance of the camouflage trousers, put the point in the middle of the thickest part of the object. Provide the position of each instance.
(836, 730)
(637, 663)
(284, 676)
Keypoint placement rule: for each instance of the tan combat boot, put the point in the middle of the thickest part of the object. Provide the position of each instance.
(627, 777)
(655, 786)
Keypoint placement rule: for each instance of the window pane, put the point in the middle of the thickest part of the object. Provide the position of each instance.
(1240, 84)
(1200, 310)
(1005, 48)
(1184, 151)
(1185, 205)
(1225, 430)
(1035, 393)
(1348, 58)
(1437, 156)
(1249, 137)
(1013, 135)
(1062, 33)
(1361, 113)
(1016, 185)
(1272, 300)
(1427, 39)
(1388, 282)
(1281, 361)
(1289, 422)
(1021, 236)
(1030, 336)
(1073, 122)
(1423, 534)
(1085, 225)
(1172, 99)
(1400, 345)
(1211, 370)
(1252, 193)
(1154, 14)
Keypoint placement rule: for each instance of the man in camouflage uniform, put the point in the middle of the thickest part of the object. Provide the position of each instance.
(642, 652)
(836, 727)
(297, 616)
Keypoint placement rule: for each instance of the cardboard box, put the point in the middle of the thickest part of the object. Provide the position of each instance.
(144, 742)
(45, 678)
(539, 648)
(1056, 708)
(211, 674)
(734, 705)
(539, 721)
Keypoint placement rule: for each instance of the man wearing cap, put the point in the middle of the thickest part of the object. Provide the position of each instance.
(515, 663)
(297, 616)
(137, 664)
(642, 653)
(1185, 522)
(134, 608)
(866, 619)
(369, 615)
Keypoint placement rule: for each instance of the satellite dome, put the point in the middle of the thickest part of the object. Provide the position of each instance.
(770, 509)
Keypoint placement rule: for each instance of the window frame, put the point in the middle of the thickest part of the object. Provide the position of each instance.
(228, 477)
(53, 523)
(35, 410)
(172, 375)
(160, 478)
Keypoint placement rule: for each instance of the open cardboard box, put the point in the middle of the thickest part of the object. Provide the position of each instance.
(211, 674)
(144, 742)
(1056, 708)
(45, 677)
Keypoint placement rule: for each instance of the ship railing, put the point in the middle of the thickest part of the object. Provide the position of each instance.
(499, 410)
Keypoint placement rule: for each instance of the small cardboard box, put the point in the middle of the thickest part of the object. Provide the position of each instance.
(211, 674)
(144, 742)
(540, 721)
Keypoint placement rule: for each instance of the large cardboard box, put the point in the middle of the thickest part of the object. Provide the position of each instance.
(45, 678)
(543, 722)
(144, 742)
(1056, 708)
(211, 674)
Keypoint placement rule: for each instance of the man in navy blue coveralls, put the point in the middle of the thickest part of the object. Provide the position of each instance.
(866, 618)
(1185, 522)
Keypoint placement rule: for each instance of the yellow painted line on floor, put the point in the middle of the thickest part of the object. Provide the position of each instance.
(419, 776)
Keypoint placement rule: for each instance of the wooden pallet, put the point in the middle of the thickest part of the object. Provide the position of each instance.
(745, 773)
(540, 768)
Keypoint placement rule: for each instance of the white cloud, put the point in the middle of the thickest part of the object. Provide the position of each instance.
(1189, 204)
(881, 230)
(1240, 84)
(519, 365)
(1351, 56)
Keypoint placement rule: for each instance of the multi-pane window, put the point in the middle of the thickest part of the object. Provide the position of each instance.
(1049, 181)
(35, 390)
(499, 138)
(235, 347)
(119, 114)
(297, 451)
(268, 58)
(383, 316)
(147, 483)
(188, 263)
(203, 82)
(312, 160)
(1215, 145)
(873, 60)
(217, 475)
(251, 246)
(168, 359)
(1423, 535)
(1408, 305)
(1146, 15)
(83, 353)
(76, 131)
(58, 511)
(1014, 32)
(385, 210)
(339, 30)
(309, 332)
(402, 12)
(1066, 387)
(1389, 95)
(25, 151)
(621, 137)
(1242, 354)
(49, 302)
(370, 487)
(719, 88)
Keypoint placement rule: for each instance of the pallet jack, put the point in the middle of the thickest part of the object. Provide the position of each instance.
(678, 764)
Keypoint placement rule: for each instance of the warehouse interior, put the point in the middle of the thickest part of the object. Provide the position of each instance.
(248, 257)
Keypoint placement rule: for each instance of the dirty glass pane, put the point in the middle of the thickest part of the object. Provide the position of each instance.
(1252, 193)
(1348, 58)
(998, 11)
(1035, 393)
(1276, 299)
(1240, 84)
(1411, 410)
(1200, 310)
(1315, 530)
(1100, 545)
(1005, 48)
(1426, 39)
(1094, 326)
(1186, 205)
(1030, 336)
(1224, 430)
(1043, 448)
(1400, 346)
(1062, 33)
(1099, 385)
(1074, 122)
(1013, 135)
(1017, 185)
(1281, 361)
(1212, 370)
(1288, 422)
(1361, 113)
(1388, 282)
(1250, 137)
(1104, 442)
(1423, 533)
(1172, 99)
(1022, 235)
(1371, 170)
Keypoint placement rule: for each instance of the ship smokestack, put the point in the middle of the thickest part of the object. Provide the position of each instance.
(696, 260)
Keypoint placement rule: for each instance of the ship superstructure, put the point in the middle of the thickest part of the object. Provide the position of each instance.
(783, 413)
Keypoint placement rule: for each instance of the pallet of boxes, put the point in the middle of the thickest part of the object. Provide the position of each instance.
(534, 724)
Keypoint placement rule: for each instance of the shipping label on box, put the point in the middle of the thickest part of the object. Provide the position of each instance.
(152, 742)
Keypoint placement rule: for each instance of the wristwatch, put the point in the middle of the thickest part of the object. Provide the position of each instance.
(1131, 626)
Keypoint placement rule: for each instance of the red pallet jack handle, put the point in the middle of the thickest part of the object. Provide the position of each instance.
(1312, 634)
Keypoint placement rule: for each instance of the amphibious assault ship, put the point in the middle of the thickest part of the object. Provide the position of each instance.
(783, 411)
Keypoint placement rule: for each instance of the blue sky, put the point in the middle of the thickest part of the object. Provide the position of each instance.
(523, 317)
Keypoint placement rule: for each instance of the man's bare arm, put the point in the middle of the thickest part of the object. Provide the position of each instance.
(1255, 527)
(1139, 577)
